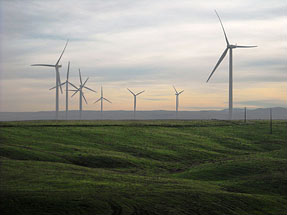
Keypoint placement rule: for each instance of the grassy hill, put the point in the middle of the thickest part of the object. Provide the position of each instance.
(143, 167)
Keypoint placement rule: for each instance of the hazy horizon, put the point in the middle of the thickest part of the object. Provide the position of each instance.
(154, 110)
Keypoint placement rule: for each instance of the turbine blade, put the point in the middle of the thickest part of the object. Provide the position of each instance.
(107, 100)
(68, 71)
(90, 89)
(76, 92)
(140, 93)
(219, 61)
(56, 86)
(49, 65)
(80, 77)
(180, 92)
(131, 91)
(62, 53)
(98, 100)
(84, 98)
(175, 89)
(85, 81)
(52, 88)
(222, 28)
(246, 46)
(60, 84)
(59, 80)
(72, 85)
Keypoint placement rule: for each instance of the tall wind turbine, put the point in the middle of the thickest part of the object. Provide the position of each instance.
(67, 89)
(58, 81)
(101, 99)
(135, 100)
(177, 100)
(80, 89)
(229, 47)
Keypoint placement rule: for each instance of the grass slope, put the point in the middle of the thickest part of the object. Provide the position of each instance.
(149, 167)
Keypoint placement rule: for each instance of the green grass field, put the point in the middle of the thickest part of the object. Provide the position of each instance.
(143, 167)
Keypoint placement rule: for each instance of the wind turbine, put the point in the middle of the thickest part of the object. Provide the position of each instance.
(135, 100)
(229, 47)
(80, 89)
(58, 81)
(67, 89)
(176, 100)
(101, 99)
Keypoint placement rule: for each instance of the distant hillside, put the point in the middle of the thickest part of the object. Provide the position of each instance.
(261, 113)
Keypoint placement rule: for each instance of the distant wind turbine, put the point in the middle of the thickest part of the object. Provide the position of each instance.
(80, 89)
(177, 100)
(101, 99)
(58, 81)
(135, 100)
(67, 89)
(229, 47)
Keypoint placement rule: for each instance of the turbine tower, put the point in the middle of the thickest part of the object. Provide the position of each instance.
(176, 100)
(135, 100)
(229, 48)
(58, 81)
(101, 99)
(80, 89)
(67, 89)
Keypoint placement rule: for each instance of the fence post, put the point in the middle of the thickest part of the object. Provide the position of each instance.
(270, 120)
(245, 114)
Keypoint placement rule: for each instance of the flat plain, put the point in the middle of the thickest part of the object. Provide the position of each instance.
(143, 167)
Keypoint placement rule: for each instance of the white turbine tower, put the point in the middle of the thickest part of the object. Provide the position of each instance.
(229, 47)
(101, 99)
(135, 100)
(67, 89)
(58, 81)
(177, 100)
(80, 89)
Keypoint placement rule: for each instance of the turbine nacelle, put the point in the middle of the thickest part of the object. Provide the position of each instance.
(228, 48)
(102, 98)
(232, 46)
(135, 100)
(58, 79)
(176, 92)
(135, 94)
(80, 89)
(237, 46)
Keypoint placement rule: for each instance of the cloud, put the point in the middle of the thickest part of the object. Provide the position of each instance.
(146, 44)
(262, 103)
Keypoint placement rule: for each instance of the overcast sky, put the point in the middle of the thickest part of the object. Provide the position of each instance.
(144, 45)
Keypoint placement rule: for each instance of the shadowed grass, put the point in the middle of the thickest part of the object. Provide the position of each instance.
(143, 167)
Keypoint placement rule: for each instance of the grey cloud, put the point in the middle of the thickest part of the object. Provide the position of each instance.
(140, 43)
(270, 62)
(252, 13)
(69, 18)
(262, 103)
